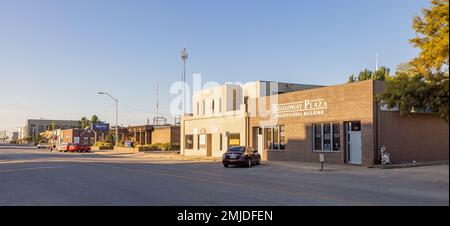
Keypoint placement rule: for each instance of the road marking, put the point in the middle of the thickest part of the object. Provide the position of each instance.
(32, 168)
(304, 195)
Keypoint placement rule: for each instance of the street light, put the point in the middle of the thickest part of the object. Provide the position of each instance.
(117, 114)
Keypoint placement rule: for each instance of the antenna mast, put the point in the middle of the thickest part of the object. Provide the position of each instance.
(184, 57)
(157, 100)
(376, 62)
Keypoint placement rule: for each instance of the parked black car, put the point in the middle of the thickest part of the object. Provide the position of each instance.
(240, 155)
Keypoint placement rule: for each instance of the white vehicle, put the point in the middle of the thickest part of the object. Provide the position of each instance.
(41, 146)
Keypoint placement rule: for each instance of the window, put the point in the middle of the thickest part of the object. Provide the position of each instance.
(86, 140)
(326, 137)
(198, 108)
(356, 126)
(220, 105)
(220, 142)
(234, 100)
(198, 142)
(317, 136)
(234, 139)
(268, 138)
(189, 142)
(203, 107)
(212, 106)
(92, 140)
(282, 138)
(336, 137)
(276, 136)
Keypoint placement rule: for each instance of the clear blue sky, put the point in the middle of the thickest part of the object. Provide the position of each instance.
(56, 55)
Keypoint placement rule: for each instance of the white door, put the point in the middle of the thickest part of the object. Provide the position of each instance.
(261, 145)
(355, 147)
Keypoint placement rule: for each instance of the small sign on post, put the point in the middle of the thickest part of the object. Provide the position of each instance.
(322, 160)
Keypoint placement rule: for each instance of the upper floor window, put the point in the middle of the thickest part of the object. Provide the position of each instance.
(203, 107)
(198, 108)
(234, 100)
(212, 106)
(220, 105)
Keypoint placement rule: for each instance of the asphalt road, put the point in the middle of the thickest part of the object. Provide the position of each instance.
(37, 177)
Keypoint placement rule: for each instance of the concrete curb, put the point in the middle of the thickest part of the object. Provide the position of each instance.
(305, 166)
(410, 165)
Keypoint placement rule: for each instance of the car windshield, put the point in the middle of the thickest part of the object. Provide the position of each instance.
(236, 149)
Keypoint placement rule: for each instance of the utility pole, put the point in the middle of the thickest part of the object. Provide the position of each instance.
(117, 114)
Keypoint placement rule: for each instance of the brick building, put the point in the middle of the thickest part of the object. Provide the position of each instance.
(86, 136)
(150, 134)
(343, 122)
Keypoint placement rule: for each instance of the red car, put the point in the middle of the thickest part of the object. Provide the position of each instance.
(78, 148)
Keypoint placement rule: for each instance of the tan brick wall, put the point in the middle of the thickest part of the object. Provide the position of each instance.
(348, 102)
(169, 134)
(161, 135)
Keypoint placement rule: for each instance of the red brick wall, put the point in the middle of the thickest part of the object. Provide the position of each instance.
(419, 137)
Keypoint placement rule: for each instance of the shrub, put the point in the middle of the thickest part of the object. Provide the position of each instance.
(103, 144)
(156, 146)
(165, 147)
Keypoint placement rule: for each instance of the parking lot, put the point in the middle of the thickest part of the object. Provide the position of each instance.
(39, 177)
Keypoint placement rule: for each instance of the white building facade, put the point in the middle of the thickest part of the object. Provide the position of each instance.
(220, 116)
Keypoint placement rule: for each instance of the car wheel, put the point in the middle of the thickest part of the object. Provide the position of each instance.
(226, 165)
(258, 162)
(249, 162)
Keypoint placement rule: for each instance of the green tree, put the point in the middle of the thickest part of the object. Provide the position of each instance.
(53, 126)
(84, 122)
(94, 119)
(422, 84)
(381, 74)
(109, 138)
(352, 79)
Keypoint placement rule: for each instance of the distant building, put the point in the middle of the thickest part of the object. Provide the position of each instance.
(33, 127)
(86, 136)
(13, 136)
(150, 134)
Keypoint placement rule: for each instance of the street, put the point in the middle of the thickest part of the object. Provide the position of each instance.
(39, 177)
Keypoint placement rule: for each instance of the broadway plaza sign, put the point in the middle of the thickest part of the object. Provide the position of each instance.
(300, 109)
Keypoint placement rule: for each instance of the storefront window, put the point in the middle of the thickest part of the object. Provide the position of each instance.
(327, 137)
(189, 141)
(276, 135)
(317, 136)
(282, 138)
(268, 138)
(336, 137)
